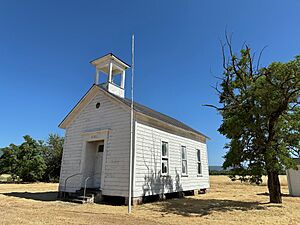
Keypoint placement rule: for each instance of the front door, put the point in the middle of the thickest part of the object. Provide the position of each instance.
(98, 165)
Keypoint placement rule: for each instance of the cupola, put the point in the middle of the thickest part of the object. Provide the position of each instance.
(111, 66)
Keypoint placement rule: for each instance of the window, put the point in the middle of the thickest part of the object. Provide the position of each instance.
(183, 160)
(199, 166)
(100, 148)
(97, 105)
(164, 158)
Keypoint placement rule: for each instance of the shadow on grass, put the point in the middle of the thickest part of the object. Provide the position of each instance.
(267, 194)
(39, 196)
(204, 207)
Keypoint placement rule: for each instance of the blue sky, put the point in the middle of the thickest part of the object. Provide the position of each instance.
(46, 46)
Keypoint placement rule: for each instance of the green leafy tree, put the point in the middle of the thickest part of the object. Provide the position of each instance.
(8, 160)
(261, 117)
(30, 162)
(53, 157)
(24, 161)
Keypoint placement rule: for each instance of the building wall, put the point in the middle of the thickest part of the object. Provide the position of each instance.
(148, 179)
(110, 116)
(293, 177)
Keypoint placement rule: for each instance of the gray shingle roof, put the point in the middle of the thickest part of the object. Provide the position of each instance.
(154, 114)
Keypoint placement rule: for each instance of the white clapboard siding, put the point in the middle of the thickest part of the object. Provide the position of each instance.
(110, 116)
(148, 181)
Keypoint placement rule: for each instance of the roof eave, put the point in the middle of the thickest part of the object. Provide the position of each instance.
(126, 65)
(176, 127)
(63, 124)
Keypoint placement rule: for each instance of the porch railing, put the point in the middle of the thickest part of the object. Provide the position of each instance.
(85, 183)
(66, 180)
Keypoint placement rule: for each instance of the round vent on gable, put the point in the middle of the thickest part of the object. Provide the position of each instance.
(97, 105)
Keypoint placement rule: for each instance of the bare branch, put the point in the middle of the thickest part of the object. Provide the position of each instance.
(259, 57)
(223, 55)
(213, 106)
(219, 78)
(250, 61)
(216, 89)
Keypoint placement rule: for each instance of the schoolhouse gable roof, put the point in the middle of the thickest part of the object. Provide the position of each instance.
(136, 106)
(155, 114)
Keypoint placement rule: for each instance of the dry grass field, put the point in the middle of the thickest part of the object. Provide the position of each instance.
(227, 203)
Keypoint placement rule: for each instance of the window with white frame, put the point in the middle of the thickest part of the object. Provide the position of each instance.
(183, 160)
(164, 158)
(199, 166)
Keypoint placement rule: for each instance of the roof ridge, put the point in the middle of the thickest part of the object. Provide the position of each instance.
(154, 113)
(160, 113)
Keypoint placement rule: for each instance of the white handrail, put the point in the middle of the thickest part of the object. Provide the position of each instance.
(85, 182)
(65, 187)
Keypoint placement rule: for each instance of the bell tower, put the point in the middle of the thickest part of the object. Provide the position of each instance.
(112, 66)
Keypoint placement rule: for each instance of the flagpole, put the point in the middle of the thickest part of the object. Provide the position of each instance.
(131, 128)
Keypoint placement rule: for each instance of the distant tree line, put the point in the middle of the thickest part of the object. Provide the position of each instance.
(231, 173)
(219, 172)
(33, 160)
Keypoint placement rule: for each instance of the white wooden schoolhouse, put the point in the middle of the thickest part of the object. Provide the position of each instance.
(168, 156)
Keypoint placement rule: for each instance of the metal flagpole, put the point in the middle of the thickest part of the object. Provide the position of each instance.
(131, 127)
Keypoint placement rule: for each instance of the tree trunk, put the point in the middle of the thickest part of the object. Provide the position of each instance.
(274, 187)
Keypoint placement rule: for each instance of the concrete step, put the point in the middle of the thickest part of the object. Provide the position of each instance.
(89, 191)
(80, 199)
(92, 196)
(84, 197)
